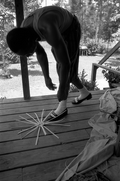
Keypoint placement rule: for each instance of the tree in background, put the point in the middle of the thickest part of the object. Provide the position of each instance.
(31, 5)
(100, 20)
(7, 22)
(7, 17)
(97, 18)
(117, 34)
(110, 24)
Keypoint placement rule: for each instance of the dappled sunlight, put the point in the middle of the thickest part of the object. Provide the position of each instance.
(114, 62)
(16, 72)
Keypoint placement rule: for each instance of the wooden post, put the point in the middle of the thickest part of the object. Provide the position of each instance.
(23, 60)
(93, 73)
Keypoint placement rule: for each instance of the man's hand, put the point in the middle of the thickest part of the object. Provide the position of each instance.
(49, 84)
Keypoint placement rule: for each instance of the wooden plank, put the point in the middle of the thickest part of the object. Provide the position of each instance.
(46, 171)
(38, 108)
(9, 136)
(38, 111)
(48, 107)
(14, 125)
(10, 126)
(75, 111)
(43, 102)
(12, 118)
(27, 158)
(44, 141)
(39, 102)
(76, 121)
(45, 97)
(12, 175)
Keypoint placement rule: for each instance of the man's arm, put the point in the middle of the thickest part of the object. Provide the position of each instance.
(43, 61)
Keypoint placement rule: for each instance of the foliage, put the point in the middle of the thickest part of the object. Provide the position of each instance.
(5, 73)
(102, 48)
(11, 57)
(111, 77)
(31, 5)
(108, 25)
(109, 29)
(99, 19)
(88, 84)
(94, 47)
(116, 35)
(7, 17)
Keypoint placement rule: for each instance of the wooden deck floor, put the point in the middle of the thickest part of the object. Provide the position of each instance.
(21, 160)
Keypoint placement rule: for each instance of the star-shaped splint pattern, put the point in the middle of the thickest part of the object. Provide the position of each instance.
(39, 124)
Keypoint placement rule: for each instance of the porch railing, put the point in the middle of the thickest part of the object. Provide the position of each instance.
(95, 66)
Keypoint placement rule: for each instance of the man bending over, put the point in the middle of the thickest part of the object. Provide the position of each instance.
(60, 29)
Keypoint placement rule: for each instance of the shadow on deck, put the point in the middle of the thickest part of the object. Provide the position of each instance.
(20, 159)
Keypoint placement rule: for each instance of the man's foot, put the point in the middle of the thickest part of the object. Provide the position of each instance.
(79, 100)
(56, 117)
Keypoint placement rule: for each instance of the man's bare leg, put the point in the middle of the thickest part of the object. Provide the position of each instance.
(61, 107)
(84, 93)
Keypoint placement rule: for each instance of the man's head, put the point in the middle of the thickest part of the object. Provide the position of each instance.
(21, 41)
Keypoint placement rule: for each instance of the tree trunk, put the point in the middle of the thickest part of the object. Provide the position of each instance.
(98, 22)
(73, 6)
(97, 29)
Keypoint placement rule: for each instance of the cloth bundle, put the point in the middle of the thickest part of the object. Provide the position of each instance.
(100, 147)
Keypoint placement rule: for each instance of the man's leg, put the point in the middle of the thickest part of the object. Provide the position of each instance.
(62, 105)
(84, 93)
(82, 90)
